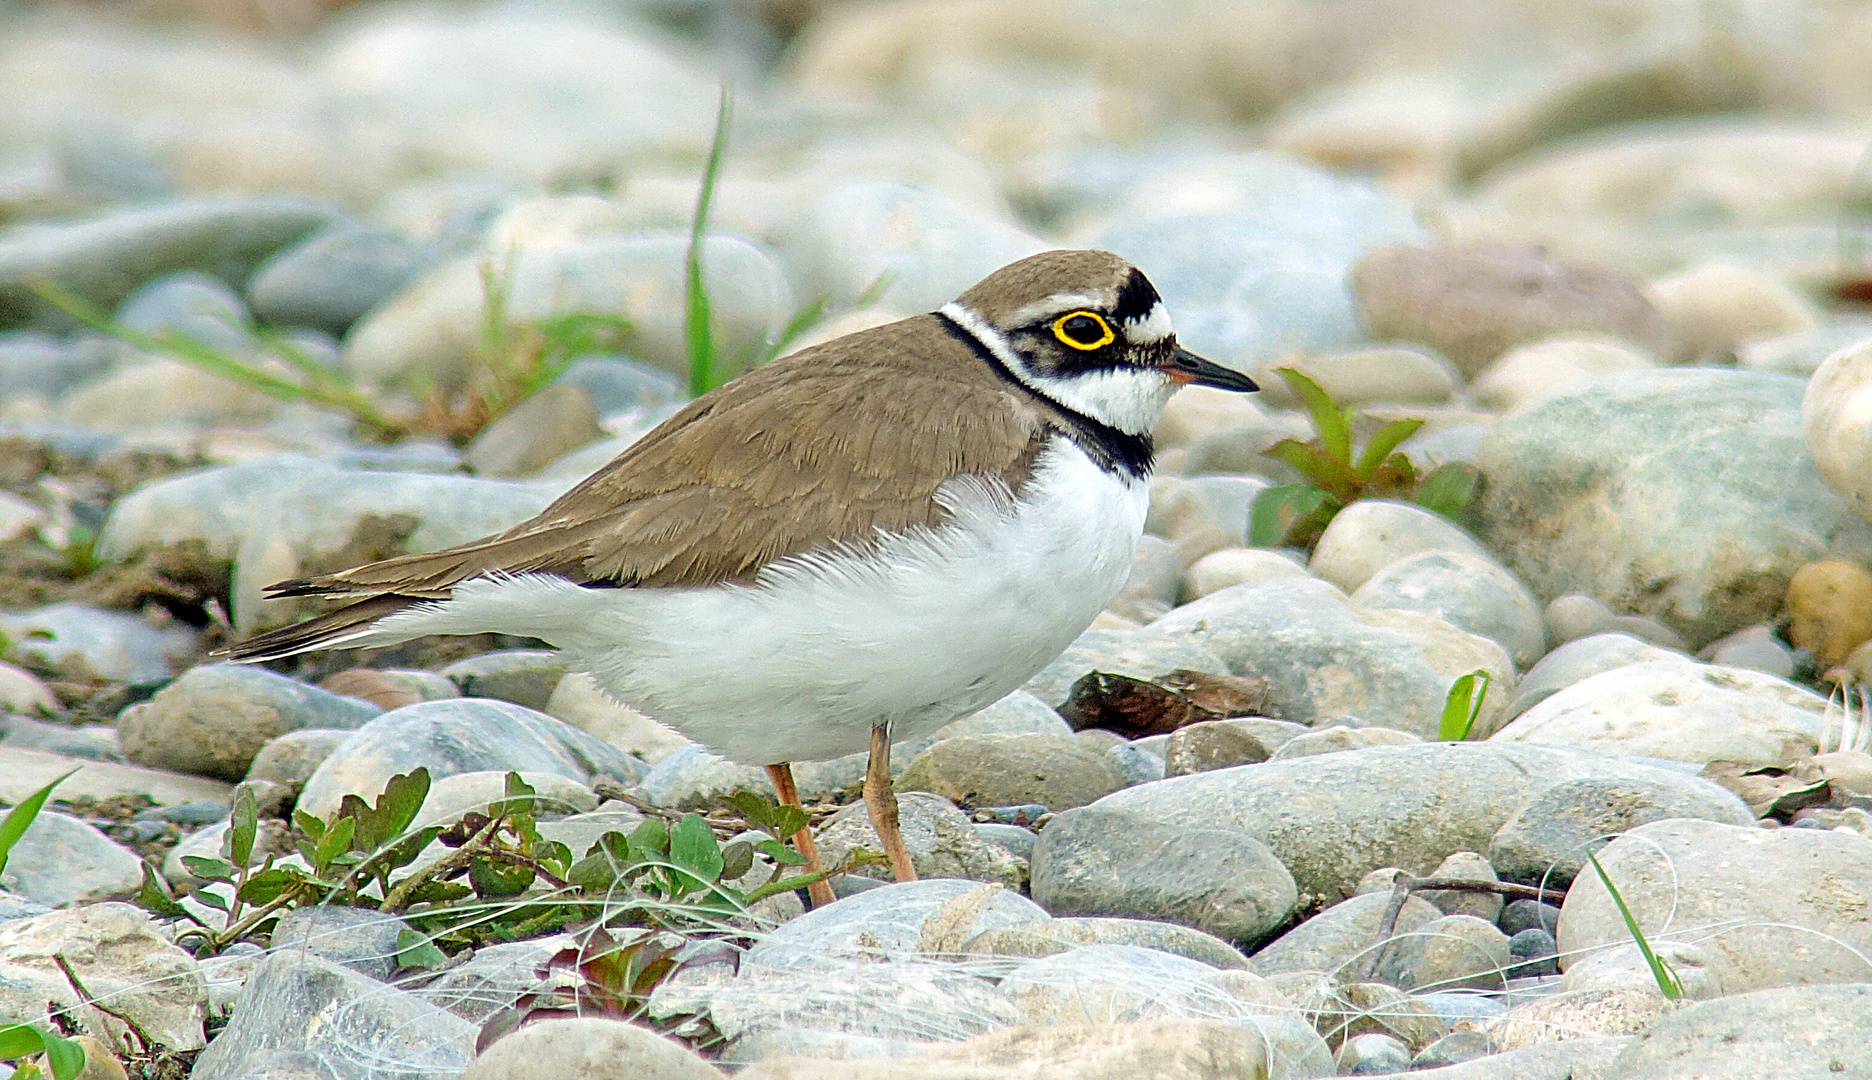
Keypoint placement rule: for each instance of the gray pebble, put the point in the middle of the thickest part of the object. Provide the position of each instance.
(1528, 914)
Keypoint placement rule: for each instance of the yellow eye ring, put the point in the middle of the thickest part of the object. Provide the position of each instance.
(1105, 333)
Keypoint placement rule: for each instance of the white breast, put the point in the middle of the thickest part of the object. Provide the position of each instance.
(924, 627)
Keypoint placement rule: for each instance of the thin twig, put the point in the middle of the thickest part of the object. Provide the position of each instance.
(85, 998)
(454, 860)
(1409, 883)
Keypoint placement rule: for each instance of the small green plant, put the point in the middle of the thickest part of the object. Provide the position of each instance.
(1337, 474)
(1666, 979)
(20, 818)
(62, 1058)
(1462, 706)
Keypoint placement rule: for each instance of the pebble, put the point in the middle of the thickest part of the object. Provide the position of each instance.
(1135, 765)
(1581, 658)
(62, 860)
(1730, 1039)
(215, 718)
(1064, 934)
(1138, 654)
(1470, 593)
(617, 384)
(452, 796)
(692, 778)
(589, 1048)
(84, 642)
(1680, 710)
(1210, 744)
(941, 840)
(1345, 1010)
(1235, 566)
(1332, 818)
(526, 677)
(890, 921)
(1802, 354)
(333, 276)
(1829, 610)
(363, 1018)
(100, 259)
(1465, 866)
(1528, 914)
(23, 772)
(1684, 873)
(38, 365)
(120, 955)
(1755, 648)
(1525, 374)
(1094, 861)
(1371, 1055)
(364, 941)
(1473, 303)
(1332, 740)
(548, 424)
(292, 758)
(1534, 952)
(1546, 840)
(94, 742)
(1366, 377)
(390, 689)
(1324, 658)
(456, 736)
(1338, 939)
(1574, 1014)
(1016, 839)
(1465, 1044)
(1717, 307)
(1001, 770)
(1577, 483)
(1455, 952)
(1371, 534)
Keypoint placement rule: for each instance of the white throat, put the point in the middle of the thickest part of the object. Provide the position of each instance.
(1127, 398)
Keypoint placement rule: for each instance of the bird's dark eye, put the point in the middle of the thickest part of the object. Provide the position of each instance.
(1083, 330)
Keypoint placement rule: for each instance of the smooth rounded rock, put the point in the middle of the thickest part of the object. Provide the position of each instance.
(1339, 937)
(364, 941)
(1365, 377)
(1210, 744)
(890, 921)
(1324, 658)
(1006, 770)
(1468, 592)
(1829, 610)
(84, 642)
(940, 839)
(589, 1048)
(1465, 866)
(1580, 659)
(1372, 1054)
(1609, 491)
(1371, 534)
(1678, 709)
(1716, 307)
(1236, 566)
(525, 677)
(457, 736)
(62, 860)
(1332, 740)
(1546, 840)
(1093, 861)
(292, 758)
(332, 277)
(215, 719)
(1455, 952)
(1063, 934)
(1332, 818)
(579, 701)
(1793, 902)
(1731, 1038)
(1524, 375)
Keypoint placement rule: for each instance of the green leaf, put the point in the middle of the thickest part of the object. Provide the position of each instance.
(209, 869)
(154, 898)
(649, 840)
(693, 848)
(493, 879)
(1275, 510)
(1335, 434)
(401, 800)
(243, 824)
(267, 885)
(518, 798)
(1386, 439)
(698, 333)
(737, 859)
(416, 950)
(405, 851)
(210, 899)
(308, 824)
(1317, 466)
(65, 1057)
(333, 843)
(1462, 706)
(1661, 972)
(20, 818)
(1448, 488)
(780, 853)
(20, 1040)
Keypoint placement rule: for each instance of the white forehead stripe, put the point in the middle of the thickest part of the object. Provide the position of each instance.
(1151, 328)
(1057, 304)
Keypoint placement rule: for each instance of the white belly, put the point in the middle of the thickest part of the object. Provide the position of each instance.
(913, 632)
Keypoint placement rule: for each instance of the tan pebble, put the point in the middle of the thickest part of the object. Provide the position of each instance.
(1829, 607)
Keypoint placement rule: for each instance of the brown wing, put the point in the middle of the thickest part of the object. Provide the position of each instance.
(828, 445)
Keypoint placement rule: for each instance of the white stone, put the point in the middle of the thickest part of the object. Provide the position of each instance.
(1553, 366)
(1372, 534)
(1717, 307)
(1237, 566)
(1366, 376)
(1681, 710)
(1836, 417)
(1468, 591)
(120, 956)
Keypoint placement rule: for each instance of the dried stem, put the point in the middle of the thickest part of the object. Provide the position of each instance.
(85, 998)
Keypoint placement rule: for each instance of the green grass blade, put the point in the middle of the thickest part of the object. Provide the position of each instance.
(1667, 982)
(697, 329)
(1328, 419)
(1462, 706)
(20, 818)
(1383, 441)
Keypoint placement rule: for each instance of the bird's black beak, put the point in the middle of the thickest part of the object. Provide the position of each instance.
(1187, 368)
